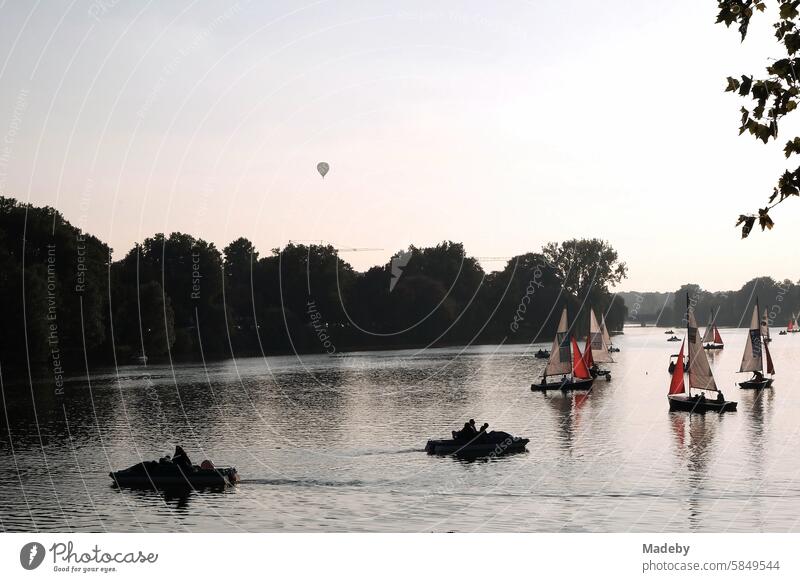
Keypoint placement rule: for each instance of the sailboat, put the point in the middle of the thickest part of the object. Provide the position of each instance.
(566, 361)
(606, 337)
(793, 327)
(765, 327)
(596, 350)
(701, 378)
(754, 355)
(711, 338)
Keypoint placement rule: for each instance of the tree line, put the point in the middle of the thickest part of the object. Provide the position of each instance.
(781, 299)
(66, 303)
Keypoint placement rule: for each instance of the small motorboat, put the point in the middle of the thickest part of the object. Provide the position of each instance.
(542, 354)
(674, 338)
(782, 332)
(158, 475)
(670, 332)
(494, 443)
(597, 372)
(687, 403)
(713, 346)
(613, 349)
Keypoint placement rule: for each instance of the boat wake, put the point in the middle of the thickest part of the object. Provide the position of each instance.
(305, 482)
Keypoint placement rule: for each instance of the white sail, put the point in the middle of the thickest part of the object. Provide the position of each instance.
(700, 376)
(599, 346)
(765, 325)
(560, 362)
(604, 330)
(752, 359)
(708, 336)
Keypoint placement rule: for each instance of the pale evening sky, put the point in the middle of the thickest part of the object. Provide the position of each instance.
(503, 125)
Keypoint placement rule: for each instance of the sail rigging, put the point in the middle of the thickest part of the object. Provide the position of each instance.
(700, 376)
(597, 341)
(579, 369)
(560, 362)
(753, 358)
(677, 385)
(604, 330)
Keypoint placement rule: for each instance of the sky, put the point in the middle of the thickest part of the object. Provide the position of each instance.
(502, 125)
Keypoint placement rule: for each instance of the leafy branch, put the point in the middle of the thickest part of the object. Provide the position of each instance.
(773, 96)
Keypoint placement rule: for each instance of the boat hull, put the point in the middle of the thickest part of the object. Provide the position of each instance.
(713, 347)
(477, 448)
(756, 384)
(573, 384)
(685, 404)
(170, 478)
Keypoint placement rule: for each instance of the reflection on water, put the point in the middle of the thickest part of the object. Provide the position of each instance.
(335, 444)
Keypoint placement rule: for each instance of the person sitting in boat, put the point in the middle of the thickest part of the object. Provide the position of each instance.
(165, 459)
(181, 458)
(465, 433)
(758, 376)
(720, 397)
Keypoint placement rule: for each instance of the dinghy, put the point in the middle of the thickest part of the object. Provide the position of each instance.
(701, 379)
(596, 349)
(565, 361)
(606, 337)
(755, 352)
(711, 338)
(168, 476)
(491, 444)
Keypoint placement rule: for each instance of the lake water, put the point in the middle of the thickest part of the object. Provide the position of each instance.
(336, 444)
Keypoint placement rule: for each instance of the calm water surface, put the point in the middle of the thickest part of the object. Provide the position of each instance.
(335, 444)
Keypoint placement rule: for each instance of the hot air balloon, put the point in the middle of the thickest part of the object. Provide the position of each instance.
(323, 168)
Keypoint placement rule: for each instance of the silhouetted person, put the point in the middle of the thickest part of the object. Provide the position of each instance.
(181, 459)
(758, 376)
(720, 397)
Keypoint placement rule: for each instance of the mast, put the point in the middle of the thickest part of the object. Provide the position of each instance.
(765, 325)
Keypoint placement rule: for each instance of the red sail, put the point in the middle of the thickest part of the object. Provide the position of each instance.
(717, 337)
(579, 369)
(770, 367)
(588, 358)
(677, 385)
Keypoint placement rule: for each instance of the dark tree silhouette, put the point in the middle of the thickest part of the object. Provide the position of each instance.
(773, 96)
